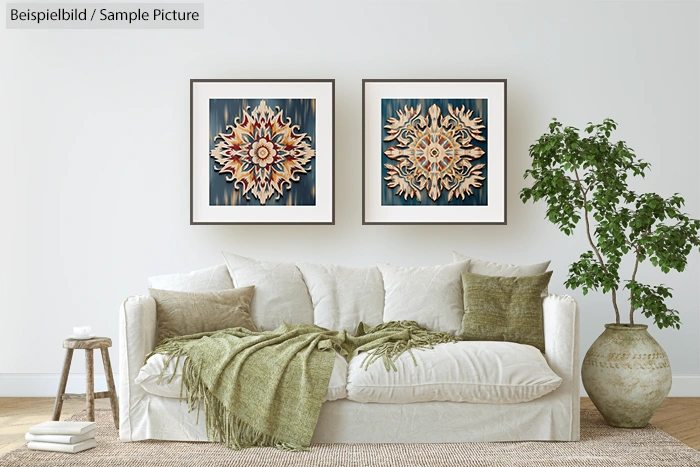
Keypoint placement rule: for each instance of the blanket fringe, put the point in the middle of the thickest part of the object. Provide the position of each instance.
(419, 338)
(222, 425)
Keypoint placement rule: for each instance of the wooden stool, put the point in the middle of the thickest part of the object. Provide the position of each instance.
(102, 343)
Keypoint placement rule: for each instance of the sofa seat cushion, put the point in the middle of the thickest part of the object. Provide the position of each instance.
(150, 372)
(475, 371)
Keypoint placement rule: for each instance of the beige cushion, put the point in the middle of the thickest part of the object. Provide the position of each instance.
(280, 292)
(343, 296)
(202, 280)
(431, 296)
(183, 313)
(504, 308)
(479, 372)
(150, 373)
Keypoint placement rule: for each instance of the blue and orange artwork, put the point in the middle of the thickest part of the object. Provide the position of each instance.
(434, 152)
(262, 152)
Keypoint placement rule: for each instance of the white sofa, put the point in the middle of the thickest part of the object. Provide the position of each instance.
(400, 411)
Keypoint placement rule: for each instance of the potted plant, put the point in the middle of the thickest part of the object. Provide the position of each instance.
(583, 176)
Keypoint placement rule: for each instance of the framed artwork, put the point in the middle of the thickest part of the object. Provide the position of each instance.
(434, 151)
(262, 151)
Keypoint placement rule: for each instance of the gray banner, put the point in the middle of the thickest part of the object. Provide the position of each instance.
(105, 16)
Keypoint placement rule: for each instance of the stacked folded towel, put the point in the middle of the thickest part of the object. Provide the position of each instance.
(62, 436)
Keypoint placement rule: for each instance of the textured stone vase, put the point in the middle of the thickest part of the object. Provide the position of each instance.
(627, 375)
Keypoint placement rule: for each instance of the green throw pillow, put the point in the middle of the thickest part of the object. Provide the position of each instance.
(504, 308)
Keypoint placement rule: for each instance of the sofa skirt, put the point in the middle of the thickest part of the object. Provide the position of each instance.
(343, 421)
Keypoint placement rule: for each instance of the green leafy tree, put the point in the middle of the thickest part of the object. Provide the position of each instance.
(583, 175)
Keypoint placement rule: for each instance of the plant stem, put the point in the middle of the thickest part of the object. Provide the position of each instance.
(636, 265)
(634, 274)
(595, 248)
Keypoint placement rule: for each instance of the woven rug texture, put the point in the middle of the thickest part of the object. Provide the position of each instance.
(600, 445)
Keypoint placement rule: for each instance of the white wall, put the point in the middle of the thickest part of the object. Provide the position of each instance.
(94, 147)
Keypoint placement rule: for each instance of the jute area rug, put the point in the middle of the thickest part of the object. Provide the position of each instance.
(600, 445)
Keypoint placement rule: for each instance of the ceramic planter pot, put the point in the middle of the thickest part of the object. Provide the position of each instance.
(627, 375)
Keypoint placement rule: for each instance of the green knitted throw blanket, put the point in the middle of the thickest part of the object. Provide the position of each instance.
(266, 388)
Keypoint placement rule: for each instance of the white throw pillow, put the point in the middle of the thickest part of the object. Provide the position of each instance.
(150, 373)
(280, 292)
(343, 296)
(431, 296)
(489, 268)
(471, 371)
(212, 279)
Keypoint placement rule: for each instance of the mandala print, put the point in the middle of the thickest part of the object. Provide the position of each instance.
(262, 153)
(434, 153)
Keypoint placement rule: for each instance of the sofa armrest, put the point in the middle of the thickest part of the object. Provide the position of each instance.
(137, 337)
(561, 344)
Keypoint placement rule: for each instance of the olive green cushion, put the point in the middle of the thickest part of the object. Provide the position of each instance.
(184, 313)
(504, 308)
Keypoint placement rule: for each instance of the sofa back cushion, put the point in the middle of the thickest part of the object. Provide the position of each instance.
(491, 268)
(344, 296)
(431, 296)
(183, 313)
(280, 292)
(202, 280)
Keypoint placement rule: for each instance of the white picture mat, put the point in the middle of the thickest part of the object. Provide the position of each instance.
(322, 92)
(374, 212)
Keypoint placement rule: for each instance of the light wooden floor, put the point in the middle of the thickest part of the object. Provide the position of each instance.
(679, 417)
(18, 414)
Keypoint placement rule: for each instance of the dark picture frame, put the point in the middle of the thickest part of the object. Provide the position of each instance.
(434, 151)
(262, 151)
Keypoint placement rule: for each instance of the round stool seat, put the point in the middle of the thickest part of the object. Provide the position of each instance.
(93, 343)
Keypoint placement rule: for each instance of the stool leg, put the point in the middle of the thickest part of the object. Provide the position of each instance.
(58, 405)
(110, 386)
(90, 385)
